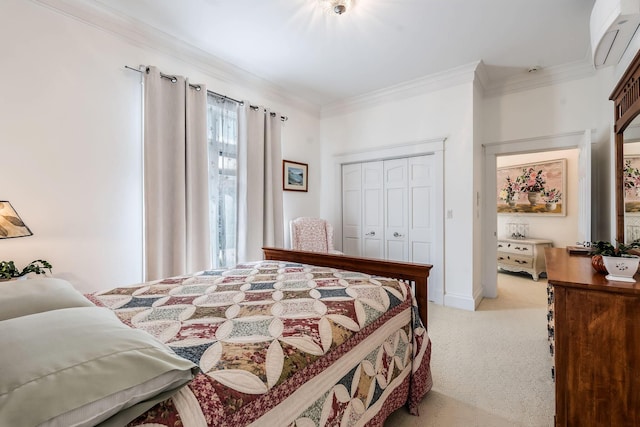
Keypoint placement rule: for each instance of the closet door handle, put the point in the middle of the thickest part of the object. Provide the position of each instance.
(396, 234)
(371, 233)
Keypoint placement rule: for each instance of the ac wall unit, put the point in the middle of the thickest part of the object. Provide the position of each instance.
(613, 24)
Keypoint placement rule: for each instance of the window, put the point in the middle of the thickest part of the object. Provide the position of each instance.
(222, 121)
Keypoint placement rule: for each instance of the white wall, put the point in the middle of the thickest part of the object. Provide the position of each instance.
(443, 113)
(302, 145)
(468, 120)
(71, 146)
(569, 106)
(479, 192)
(562, 230)
(565, 107)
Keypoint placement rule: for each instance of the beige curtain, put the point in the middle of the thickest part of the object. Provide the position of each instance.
(175, 177)
(260, 217)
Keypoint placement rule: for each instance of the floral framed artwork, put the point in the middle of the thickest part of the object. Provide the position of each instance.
(533, 188)
(631, 178)
(294, 176)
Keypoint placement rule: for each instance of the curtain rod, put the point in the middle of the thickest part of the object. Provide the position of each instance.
(173, 79)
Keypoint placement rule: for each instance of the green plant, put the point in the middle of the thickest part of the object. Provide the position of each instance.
(608, 249)
(8, 269)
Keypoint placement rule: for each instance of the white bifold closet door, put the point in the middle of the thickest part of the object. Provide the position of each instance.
(395, 210)
(372, 212)
(388, 209)
(352, 209)
(362, 210)
(422, 208)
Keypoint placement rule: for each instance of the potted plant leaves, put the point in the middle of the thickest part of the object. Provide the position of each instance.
(8, 269)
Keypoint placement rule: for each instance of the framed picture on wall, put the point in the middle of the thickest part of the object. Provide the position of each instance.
(631, 177)
(533, 189)
(631, 181)
(294, 176)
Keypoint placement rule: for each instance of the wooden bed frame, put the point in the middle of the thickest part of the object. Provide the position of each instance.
(415, 274)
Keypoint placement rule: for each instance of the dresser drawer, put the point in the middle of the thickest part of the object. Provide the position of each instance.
(516, 248)
(506, 258)
(522, 255)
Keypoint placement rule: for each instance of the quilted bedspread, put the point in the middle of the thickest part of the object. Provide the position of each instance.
(281, 343)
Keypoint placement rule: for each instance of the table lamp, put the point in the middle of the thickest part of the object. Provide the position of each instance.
(11, 225)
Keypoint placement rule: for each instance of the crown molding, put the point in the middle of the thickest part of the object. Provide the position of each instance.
(142, 35)
(431, 83)
(481, 76)
(475, 72)
(545, 77)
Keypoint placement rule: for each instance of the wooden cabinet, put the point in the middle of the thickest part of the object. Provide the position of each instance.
(525, 255)
(597, 344)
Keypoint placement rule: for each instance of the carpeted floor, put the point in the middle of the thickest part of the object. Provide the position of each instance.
(490, 367)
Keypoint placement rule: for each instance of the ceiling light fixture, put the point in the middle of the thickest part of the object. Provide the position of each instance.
(336, 6)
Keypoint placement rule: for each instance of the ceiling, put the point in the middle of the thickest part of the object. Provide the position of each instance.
(323, 58)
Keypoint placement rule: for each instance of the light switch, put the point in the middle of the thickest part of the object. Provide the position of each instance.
(449, 213)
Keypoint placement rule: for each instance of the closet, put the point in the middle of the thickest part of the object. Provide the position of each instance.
(388, 208)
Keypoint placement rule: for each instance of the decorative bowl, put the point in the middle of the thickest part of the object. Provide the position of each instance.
(621, 268)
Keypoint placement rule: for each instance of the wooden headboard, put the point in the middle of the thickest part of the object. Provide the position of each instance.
(416, 274)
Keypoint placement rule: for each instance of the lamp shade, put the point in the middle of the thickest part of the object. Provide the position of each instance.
(11, 224)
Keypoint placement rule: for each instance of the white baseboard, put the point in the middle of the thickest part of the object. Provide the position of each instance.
(463, 302)
(477, 298)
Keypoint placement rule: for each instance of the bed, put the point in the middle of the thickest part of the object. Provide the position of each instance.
(298, 339)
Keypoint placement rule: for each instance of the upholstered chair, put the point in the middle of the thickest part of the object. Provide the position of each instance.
(312, 234)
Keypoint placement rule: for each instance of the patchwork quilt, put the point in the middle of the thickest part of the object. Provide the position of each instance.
(281, 343)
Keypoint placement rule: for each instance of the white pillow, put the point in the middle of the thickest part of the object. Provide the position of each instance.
(22, 297)
(82, 366)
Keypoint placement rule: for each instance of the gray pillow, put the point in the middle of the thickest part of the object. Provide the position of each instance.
(22, 297)
(82, 366)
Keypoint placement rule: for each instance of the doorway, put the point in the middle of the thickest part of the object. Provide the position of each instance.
(578, 141)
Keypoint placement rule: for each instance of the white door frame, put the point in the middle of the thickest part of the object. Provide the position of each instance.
(490, 223)
(434, 147)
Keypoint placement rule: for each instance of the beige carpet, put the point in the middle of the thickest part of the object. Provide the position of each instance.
(490, 367)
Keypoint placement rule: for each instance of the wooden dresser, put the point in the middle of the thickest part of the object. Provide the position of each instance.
(597, 344)
(525, 255)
